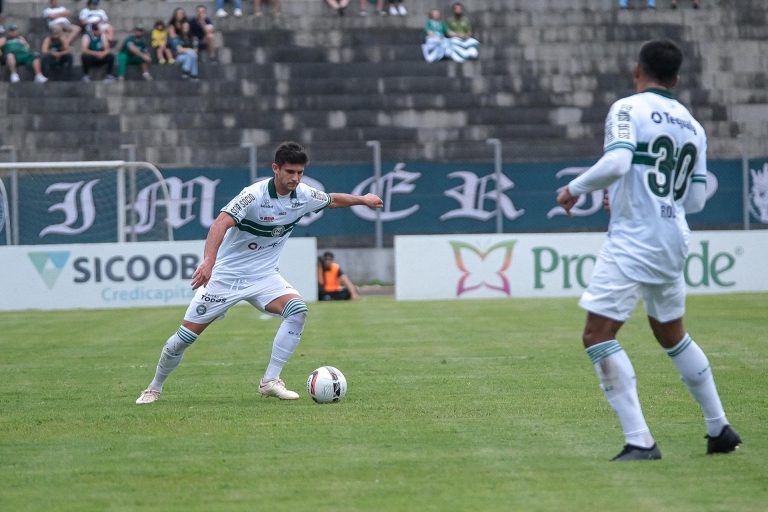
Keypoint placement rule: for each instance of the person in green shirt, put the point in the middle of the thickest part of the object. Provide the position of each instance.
(17, 52)
(463, 46)
(134, 52)
(434, 27)
(458, 25)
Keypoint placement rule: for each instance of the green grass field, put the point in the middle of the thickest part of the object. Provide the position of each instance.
(452, 406)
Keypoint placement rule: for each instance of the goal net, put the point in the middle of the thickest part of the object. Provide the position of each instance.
(82, 202)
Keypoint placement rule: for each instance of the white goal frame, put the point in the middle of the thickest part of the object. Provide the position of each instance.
(121, 166)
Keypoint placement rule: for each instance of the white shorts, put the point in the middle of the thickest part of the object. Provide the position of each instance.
(65, 24)
(211, 302)
(612, 294)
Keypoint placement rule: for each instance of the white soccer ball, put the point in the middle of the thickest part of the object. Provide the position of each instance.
(326, 385)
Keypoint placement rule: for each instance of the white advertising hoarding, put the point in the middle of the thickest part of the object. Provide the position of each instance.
(559, 265)
(123, 275)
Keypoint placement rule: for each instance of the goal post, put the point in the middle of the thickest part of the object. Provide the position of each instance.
(86, 201)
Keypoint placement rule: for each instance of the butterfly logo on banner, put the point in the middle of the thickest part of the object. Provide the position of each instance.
(483, 268)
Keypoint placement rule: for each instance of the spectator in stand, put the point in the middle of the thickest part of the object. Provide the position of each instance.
(175, 23)
(338, 5)
(134, 53)
(459, 30)
(202, 30)
(159, 37)
(186, 53)
(96, 53)
(58, 16)
(435, 45)
(274, 3)
(91, 14)
(396, 8)
(57, 54)
(221, 13)
(17, 52)
(178, 18)
(333, 283)
(694, 2)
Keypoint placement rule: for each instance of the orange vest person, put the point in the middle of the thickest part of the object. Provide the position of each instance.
(333, 284)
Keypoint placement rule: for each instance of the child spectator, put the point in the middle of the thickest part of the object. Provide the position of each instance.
(17, 52)
(160, 43)
(96, 52)
(58, 16)
(185, 52)
(91, 14)
(134, 52)
(57, 54)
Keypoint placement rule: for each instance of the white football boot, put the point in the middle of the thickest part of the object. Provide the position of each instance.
(276, 388)
(148, 396)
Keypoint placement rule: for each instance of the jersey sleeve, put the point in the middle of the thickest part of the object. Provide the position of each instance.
(237, 208)
(316, 199)
(620, 129)
(700, 172)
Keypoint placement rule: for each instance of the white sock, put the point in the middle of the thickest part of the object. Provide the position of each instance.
(695, 371)
(171, 355)
(617, 380)
(286, 341)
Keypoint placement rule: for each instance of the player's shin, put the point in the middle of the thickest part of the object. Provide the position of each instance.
(287, 337)
(171, 355)
(617, 380)
(696, 372)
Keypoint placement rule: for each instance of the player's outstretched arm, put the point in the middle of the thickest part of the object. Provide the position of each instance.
(339, 200)
(212, 243)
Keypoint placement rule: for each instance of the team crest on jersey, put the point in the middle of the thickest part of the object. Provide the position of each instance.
(265, 203)
(201, 309)
(278, 231)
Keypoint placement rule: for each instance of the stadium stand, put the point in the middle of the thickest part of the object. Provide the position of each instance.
(547, 72)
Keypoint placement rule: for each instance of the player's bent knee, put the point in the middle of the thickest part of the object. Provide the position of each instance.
(295, 307)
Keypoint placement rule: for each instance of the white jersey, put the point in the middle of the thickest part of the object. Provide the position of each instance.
(648, 234)
(263, 222)
(93, 16)
(59, 12)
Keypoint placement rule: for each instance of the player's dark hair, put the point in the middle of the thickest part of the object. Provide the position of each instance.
(327, 254)
(291, 153)
(661, 60)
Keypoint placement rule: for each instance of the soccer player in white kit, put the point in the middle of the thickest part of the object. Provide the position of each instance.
(654, 166)
(240, 262)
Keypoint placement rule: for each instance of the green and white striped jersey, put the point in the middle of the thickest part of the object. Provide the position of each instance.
(263, 222)
(648, 233)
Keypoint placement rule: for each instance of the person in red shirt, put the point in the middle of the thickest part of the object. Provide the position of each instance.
(333, 283)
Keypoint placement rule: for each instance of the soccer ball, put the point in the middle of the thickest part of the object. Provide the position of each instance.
(326, 385)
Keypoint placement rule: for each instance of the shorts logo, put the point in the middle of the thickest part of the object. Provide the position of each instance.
(278, 231)
(201, 309)
(212, 298)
